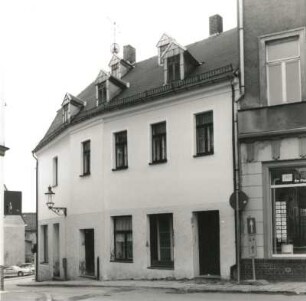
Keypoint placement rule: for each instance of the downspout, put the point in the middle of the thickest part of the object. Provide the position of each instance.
(36, 196)
(235, 141)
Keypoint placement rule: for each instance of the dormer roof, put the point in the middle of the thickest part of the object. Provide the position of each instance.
(102, 77)
(164, 40)
(69, 98)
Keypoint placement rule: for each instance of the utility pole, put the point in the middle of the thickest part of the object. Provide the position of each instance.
(3, 149)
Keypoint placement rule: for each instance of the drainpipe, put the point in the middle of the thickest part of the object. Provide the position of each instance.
(36, 196)
(235, 141)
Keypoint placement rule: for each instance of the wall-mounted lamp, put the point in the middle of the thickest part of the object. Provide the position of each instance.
(50, 204)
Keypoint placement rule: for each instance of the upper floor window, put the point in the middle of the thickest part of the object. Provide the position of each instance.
(173, 66)
(282, 67)
(86, 157)
(159, 142)
(55, 171)
(204, 134)
(283, 71)
(102, 93)
(121, 154)
(66, 113)
(123, 238)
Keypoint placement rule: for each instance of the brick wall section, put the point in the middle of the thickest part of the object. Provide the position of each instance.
(275, 269)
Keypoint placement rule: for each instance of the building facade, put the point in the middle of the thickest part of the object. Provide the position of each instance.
(136, 162)
(272, 137)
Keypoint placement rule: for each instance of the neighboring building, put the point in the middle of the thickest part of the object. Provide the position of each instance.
(142, 160)
(14, 229)
(30, 235)
(272, 133)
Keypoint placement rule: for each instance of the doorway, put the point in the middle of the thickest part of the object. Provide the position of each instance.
(87, 252)
(56, 251)
(209, 242)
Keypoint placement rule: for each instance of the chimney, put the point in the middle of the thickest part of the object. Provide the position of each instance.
(129, 54)
(215, 25)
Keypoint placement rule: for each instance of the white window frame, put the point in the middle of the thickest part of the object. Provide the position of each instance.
(263, 41)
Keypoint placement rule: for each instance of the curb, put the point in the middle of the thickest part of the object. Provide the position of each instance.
(183, 290)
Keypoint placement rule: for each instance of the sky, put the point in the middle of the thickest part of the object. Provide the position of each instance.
(51, 47)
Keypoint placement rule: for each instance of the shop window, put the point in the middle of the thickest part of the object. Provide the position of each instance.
(204, 134)
(121, 152)
(123, 238)
(288, 192)
(86, 157)
(161, 240)
(44, 244)
(159, 142)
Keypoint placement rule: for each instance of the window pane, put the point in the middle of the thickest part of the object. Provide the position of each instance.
(293, 82)
(120, 246)
(123, 223)
(282, 49)
(275, 84)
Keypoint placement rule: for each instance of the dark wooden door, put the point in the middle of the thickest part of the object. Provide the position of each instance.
(90, 252)
(209, 242)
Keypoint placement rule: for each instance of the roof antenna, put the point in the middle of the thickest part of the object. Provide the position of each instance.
(115, 46)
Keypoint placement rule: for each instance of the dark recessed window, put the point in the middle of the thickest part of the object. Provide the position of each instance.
(161, 240)
(102, 93)
(44, 236)
(159, 142)
(173, 64)
(204, 133)
(121, 152)
(123, 238)
(86, 157)
(55, 171)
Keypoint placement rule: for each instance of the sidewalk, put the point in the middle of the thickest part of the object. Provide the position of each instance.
(185, 286)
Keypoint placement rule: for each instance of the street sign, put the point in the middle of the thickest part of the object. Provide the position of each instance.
(251, 222)
(242, 200)
(252, 246)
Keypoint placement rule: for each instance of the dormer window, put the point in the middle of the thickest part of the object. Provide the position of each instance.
(115, 69)
(102, 93)
(66, 113)
(173, 67)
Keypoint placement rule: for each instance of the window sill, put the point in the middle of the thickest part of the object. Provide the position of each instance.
(120, 168)
(158, 162)
(85, 175)
(121, 261)
(44, 263)
(203, 154)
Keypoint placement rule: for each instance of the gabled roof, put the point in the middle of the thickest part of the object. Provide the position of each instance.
(219, 54)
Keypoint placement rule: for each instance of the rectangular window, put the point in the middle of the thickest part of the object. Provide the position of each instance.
(159, 142)
(55, 171)
(121, 152)
(288, 194)
(161, 240)
(283, 70)
(44, 241)
(102, 93)
(65, 113)
(173, 64)
(123, 238)
(204, 134)
(86, 157)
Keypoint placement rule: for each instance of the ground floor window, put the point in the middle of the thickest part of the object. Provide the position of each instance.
(44, 241)
(161, 240)
(288, 194)
(123, 238)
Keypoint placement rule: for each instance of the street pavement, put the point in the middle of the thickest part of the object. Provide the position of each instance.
(185, 286)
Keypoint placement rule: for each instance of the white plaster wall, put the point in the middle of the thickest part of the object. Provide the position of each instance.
(181, 186)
